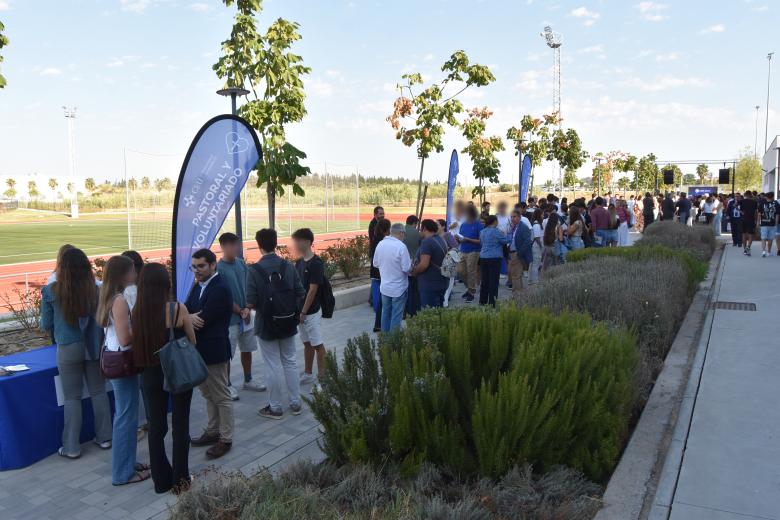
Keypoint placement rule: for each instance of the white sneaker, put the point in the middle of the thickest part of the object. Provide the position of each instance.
(316, 388)
(254, 386)
(233, 393)
(307, 379)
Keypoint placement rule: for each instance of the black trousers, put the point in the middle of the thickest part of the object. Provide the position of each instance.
(164, 475)
(649, 218)
(736, 231)
(490, 269)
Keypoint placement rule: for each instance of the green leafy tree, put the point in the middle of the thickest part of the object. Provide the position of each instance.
(163, 184)
(146, 183)
(624, 183)
(702, 172)
(689, 179)
(566, 149)
(611, 163)
(678, 175)
(646, 173)
(10, 193)
(420, 117)
(32, 189)
(89, 184)
(3, 43)
(482, 150)
(132, 183)
(748, 176)
(53, 184)
(570, 178)
(264, 64)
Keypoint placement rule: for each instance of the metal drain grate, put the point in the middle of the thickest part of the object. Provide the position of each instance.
(733, 306)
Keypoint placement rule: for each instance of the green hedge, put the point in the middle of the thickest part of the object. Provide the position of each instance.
(694, 268)
(480, 391)
(696, 240)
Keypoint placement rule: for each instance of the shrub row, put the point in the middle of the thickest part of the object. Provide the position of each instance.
(696, 240)
(307, 491)
(480, 391)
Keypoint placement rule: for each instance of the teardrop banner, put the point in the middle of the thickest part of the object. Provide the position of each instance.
(451, 182)
(215, 170)
(525, 177)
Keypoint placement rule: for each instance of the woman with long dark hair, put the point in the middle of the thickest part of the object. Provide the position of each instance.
(553, 234)
(113, 314)
(153, 316)
(381, 230)
(65, 304)
(576, 228)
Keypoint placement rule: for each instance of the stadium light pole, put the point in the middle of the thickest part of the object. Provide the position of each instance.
(768, 80)
(755, 139)
(233, 92)
(70, 115)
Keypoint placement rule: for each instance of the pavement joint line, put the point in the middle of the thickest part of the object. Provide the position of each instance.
(745, 515)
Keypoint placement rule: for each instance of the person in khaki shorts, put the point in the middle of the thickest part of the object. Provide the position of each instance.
(210, 304)
(468, 237)
(520, 253)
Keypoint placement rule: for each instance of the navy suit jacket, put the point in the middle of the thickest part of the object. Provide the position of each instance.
(216, 308)
(523, 242)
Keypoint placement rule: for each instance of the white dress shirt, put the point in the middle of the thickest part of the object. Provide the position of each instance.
(392, 259)
(205, 284)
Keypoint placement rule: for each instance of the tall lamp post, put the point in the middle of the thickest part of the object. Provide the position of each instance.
(598, 175)
(755, 140)
(233, 92)
(70, 115)
(768, 80)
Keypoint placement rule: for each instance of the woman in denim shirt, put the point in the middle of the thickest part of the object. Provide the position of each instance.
(73, 296)
(492, 241)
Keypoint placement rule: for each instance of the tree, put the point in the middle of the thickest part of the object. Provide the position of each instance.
(677, 174)
(69, 187)
(3, 43)
(32, 189)
(612, 162)
(429, 110)
(53, 184)
(10, 193)
(689, 179)
(264, 64)
(646, 173)
(702, 172)
(89, 184)
(163, 184)
(145, 183)
(132, 183)
(566, 149)
(748, 176)
(482, 150)
(570, 177)
(624, 183)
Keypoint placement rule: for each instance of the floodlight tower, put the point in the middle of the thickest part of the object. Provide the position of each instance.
(554, 41)
(70, 115)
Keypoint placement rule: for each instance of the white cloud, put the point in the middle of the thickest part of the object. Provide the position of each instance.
(652, 11)
(592, 49)
(50, 71)
(200, 7)
(428, 57)
(664, 83)
(717, 28)
(320, 88)
(670, 56)
(116, 62)
(583, 12)
(135, 6)
(5, 5)
(529, 82)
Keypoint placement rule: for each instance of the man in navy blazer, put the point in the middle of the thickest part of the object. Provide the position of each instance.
(210, 304)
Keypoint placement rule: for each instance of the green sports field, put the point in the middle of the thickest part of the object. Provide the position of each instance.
(28, 236)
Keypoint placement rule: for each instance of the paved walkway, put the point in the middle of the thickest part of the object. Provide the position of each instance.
(56, 488)
(731, 465)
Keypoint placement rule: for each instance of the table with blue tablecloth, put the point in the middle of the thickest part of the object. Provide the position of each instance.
(31, 419)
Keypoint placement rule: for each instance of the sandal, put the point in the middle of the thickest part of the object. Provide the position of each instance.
(140, 466)
(139, 476)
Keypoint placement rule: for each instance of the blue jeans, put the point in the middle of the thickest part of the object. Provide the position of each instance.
(124, 439)
(393, 311)
(576, 243)
(430, 297)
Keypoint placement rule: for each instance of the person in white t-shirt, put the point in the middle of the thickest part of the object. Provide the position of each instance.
(394, 263)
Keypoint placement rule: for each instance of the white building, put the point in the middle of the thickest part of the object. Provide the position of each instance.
(770, 166)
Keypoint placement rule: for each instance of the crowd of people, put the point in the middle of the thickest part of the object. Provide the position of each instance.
(130, 315)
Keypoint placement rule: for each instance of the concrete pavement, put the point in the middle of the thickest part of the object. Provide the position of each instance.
(730, 467)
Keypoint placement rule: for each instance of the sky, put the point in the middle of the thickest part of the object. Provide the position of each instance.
(680, 79)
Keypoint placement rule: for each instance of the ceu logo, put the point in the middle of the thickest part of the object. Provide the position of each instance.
(189, 200)
(235, 143)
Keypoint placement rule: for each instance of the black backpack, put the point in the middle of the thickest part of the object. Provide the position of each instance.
(327, 300)
(280, 309)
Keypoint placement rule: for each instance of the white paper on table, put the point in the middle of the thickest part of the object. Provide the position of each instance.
(16, 368)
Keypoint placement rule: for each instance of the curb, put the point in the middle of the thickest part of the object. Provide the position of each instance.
(346, 298)
(659, 436)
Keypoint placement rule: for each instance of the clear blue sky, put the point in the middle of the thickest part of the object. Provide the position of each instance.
(677, 78)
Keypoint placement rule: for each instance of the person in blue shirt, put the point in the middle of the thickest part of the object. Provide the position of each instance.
(491, 254)
(468, 236)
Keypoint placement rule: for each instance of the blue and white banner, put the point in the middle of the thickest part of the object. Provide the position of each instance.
(451, 182)
(525, 177)
(217, 166)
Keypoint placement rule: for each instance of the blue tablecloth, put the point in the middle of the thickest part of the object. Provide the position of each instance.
(31, 422)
